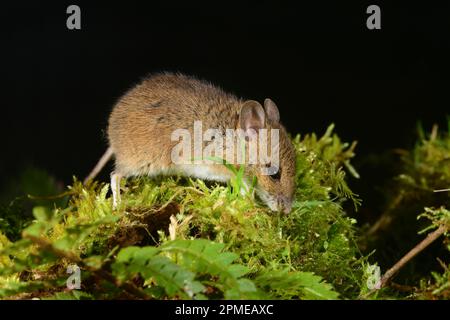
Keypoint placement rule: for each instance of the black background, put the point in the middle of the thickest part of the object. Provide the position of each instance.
(319, 62)
(282, 309)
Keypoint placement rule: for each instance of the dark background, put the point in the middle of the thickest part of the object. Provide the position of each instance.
(318, 62)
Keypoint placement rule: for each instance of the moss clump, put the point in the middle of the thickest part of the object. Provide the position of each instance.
(421, 184)
(310, 253)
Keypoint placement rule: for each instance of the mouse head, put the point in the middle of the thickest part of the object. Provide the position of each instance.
(276, 172)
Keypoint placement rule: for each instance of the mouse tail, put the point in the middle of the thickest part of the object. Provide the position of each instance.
(100, 164)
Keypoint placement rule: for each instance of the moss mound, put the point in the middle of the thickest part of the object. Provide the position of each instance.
(178, 238)
(183, 238)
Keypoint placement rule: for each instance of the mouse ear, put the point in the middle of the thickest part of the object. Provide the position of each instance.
(271, 110)
(252, 116)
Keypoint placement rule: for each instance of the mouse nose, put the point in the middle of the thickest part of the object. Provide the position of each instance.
(284, 204)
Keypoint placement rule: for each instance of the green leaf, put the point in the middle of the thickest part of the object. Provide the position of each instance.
(176, 280)
(206, 257)
(41, 213)
(287, 285)
(315, 288)
(36, 229)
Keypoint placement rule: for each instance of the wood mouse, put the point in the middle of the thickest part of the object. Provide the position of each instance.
(143, 120)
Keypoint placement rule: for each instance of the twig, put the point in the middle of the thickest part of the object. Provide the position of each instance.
(58, 196)
(434, 132)
(402, 287)
(130, 288)
(411, 254)
(442, 190)
(405, 259)
(385, 218)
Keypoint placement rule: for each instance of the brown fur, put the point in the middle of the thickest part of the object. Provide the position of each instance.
(141, 124)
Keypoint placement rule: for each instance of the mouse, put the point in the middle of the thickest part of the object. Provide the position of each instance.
(141, 140)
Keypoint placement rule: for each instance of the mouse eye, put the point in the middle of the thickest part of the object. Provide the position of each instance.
(275, 175)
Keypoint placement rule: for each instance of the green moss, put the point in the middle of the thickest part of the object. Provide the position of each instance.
(313, 244)
(422, 181)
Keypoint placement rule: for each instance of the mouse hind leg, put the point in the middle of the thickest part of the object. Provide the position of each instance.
(115, 188)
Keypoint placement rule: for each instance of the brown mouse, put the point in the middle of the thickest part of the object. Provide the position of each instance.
(143, 121)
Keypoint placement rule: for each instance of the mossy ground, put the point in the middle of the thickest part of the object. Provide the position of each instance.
(168, 235)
